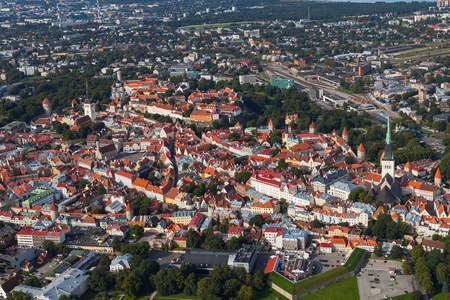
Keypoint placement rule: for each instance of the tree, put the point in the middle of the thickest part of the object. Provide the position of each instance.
(243, 176)
(137, 231)
(427, 284)
(259, 280)
(193, 239)
(417, 252)
(136, 249)
(104, 260)
(101, 280)
(282, 164)
(133, 284)
(116, 243)
(49, 246)
(257, 220)
(443, 273)
(32, 281)
(190, 285)
(101, 190)
(396, 251)
(377, 250)
(18, 296)
(231, 288)
(247, 292)
(283, 205)
(349, 160)
(407, 269)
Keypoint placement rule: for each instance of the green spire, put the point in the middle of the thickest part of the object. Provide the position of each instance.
(388, 135)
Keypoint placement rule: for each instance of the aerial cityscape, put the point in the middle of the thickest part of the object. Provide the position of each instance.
(232, 149)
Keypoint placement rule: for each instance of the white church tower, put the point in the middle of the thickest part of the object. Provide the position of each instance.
(387, 161)
(89, 108)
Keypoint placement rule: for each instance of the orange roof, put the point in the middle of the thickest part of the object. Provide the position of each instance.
(408, 165)
(361, 148)
(438, 174)
(53, 206)
(312, 125)
(345, 131)
(129, 207)
(46, 101)
(395, 215)
(270, 122)
(74, 101)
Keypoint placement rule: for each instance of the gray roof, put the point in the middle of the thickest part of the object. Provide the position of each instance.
(65, 284)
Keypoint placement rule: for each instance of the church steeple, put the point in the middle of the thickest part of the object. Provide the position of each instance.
(87, 100)
(387, 160)
(388, 155)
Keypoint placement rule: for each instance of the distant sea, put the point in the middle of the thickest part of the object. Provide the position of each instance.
(374, 1)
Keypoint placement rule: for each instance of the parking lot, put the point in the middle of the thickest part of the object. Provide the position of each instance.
(163, 258)
(326, 261)
(374, 280)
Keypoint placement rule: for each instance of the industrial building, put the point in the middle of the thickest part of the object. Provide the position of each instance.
(282, 83)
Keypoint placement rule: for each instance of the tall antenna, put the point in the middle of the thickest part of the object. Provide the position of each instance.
(308, 14)
(98, 10)
(87, 92)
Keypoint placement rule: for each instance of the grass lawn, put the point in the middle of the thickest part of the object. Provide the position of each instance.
(263, 74)
(268, 293)
(176, 296)
(281, 282)
(406, 296)
(441, 296)
(319, 279)
(354, 259)
(346, 289)
(116, 298)
(179, 249)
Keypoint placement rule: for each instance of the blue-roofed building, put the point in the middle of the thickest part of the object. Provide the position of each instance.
(71, 282)
(115, 207)
(183, 217)
(120, 263)
(295, 239)
(342, 189)
(322, 184)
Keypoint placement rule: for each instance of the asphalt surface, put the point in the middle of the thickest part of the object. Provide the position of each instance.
(384, 288)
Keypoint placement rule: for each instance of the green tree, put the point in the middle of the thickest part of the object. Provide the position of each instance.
(101, 280)
(231, 288)
(396, 251)
(101, 190)
(257, 220)
(137, 231)
(133, 284)
(18, 296)
(243, 176)
(417, 252)
(283, 205)
(443, 273)
(247, 292)
(190, 285)
(282, 164)
(407, 269)
(193, 239)
(32, 281)
(259, 280)
(104, 260)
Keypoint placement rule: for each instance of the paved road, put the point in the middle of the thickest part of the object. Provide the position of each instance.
(396, 61)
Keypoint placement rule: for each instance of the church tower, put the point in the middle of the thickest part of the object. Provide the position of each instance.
(270, 127)
(312, 128)
(47, 105)
(438, 178)
(54, 214)
(387, 161)
(89, 108)
(129, 212)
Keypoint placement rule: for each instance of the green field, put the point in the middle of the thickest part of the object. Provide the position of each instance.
(268, 293)
(441, 296)
(319, 279)
(281, 282)
(354, 259)
(406, 296)
(346, 289)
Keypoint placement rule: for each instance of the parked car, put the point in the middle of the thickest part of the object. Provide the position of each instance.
(376, 279)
